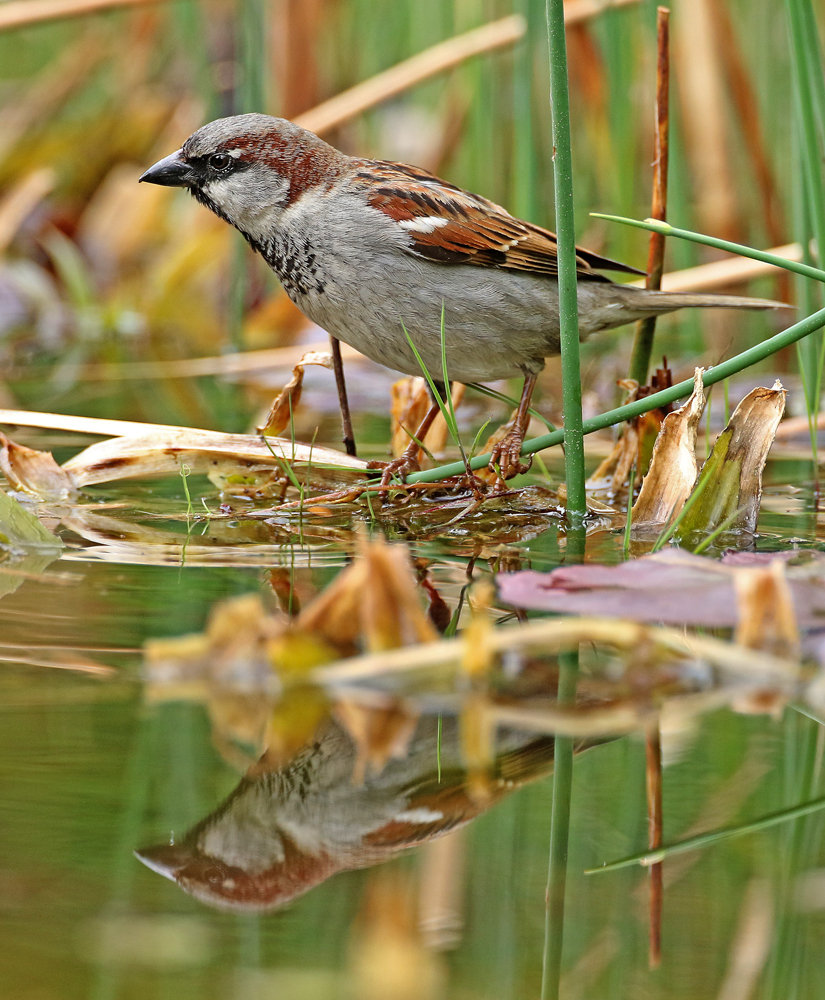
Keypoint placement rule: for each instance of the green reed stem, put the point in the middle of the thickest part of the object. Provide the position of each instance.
(706, 839)
(562, 793)
(732, 366)
(654, 226)
(566, 235)
(574, 477)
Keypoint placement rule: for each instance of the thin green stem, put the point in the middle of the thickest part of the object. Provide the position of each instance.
(712, 837)
(629, 521)
(653, 226)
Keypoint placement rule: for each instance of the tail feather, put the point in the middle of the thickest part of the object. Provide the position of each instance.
(662, 302)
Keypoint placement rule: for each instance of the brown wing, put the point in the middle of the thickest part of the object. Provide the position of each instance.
(453, 226)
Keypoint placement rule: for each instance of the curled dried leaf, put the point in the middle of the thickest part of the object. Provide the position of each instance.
(733, 472)
(35, 472)
(286, 403)
(673, 468)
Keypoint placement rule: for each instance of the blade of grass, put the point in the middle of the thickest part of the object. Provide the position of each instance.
(711, 837)
(723, 527)
(629, 521)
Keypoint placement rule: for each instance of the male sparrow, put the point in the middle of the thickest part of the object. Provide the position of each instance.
(284, 831)
(374, 251)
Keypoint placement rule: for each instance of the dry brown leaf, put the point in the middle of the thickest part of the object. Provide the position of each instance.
(34, 472)
(242, 457)
(613, 472)
(286, 403)
(379, 734)
(410, 402)
(21, 200)
(733, 471)
(673, 468)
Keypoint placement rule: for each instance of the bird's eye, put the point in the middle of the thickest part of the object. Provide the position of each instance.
(220, 161)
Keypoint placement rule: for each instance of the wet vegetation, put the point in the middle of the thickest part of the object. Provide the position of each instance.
(350, 720)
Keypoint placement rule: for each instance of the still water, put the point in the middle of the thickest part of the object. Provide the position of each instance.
(146, 854)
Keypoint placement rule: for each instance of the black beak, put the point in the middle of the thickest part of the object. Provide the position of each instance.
(171, 171)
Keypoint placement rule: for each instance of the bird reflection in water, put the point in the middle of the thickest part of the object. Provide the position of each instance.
(289, 826)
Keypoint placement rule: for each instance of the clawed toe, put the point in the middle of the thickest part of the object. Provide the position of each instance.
(398, 468)
(505, 459)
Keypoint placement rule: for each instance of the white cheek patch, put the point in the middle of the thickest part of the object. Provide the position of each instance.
(424, 224)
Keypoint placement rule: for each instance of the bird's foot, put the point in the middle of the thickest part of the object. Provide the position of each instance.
(398, 468)
(505, 458)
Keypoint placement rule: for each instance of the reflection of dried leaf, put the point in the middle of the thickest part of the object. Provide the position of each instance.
(34, 472)
(766, 610)
(478, 728)
(379, 734)
(19, 527)
(733, 472)
(295, 719)
(672, 472)
(478, 657)
(286, 403)
(387, 956)
(390, 607)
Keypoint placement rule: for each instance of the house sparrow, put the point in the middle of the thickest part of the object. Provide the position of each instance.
(284, 831)
(376, 252)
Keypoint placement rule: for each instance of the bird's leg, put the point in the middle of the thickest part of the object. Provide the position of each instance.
(507, 453)
(408, 461)
(343, 402)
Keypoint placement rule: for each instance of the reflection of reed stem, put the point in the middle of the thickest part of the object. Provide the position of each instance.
(653, 755)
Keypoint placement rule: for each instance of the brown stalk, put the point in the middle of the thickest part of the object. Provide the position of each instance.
(747, 107)
(21, 13)
(653, 758)
(700, 79)
(645, 329)
(343, 401)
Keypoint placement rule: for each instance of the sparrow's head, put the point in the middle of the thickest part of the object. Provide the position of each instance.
(234, 861)
(248, 169)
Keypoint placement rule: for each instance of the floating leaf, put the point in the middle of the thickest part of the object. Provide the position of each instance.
(673, 587)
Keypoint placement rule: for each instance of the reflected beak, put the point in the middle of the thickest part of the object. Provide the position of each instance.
(171, 171)
(165, 859)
